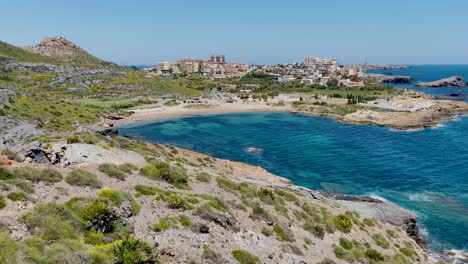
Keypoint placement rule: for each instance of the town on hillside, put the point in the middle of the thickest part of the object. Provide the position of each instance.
(313, 70)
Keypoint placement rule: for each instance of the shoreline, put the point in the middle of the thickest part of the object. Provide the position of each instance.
(426, 118)
(161, 113)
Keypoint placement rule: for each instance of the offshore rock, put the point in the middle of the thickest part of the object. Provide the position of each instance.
(455, 81)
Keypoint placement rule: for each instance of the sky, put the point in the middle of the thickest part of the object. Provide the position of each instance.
(145, 32)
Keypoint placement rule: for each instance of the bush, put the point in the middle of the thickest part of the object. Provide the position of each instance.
(83, 178)
(109, 195)
(369, 221)
(165, 223)
(90, 139)
(316, 229)
(185, 220)
(165, 172)
(73, 140)
(112, 170)
(94, 216)
(407, 252)
(345, 243)
(266, 231)
(176, 201)
(128, 167)
(244, 257)
(327, 261)
(381, 241)
(2, 202)
(17, 196)
(146, 190)
(24, 185)
(50, 175)
(133, 251)
(211, 255)
(339, 252)
(28, 173)
(343, 223)
(281, 234)
(203, 177)
(373, 254)
(5, 174)
(11, 155)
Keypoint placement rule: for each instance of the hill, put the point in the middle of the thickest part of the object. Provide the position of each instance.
(19, 54)
(64, 50)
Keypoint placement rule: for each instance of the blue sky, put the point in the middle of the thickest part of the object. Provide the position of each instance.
(255, 31)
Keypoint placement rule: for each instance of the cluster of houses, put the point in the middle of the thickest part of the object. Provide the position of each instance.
(215, 67)
(315, 70)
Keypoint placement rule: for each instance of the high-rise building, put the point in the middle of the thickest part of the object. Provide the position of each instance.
(310, 61)
(217, 58)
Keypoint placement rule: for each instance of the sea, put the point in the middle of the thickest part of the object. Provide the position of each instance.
(424, 170)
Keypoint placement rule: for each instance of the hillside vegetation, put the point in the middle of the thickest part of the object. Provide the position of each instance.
(19, 54)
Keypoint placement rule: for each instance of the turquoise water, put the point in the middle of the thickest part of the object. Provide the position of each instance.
(425, 171)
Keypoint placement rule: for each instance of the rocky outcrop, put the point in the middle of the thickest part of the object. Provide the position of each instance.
(455, 81)
(397, 79)
(383, 78)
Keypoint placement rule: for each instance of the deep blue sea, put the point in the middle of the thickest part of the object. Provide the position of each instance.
(425, 170)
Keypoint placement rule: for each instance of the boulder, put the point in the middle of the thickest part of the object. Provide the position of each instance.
(455, 81)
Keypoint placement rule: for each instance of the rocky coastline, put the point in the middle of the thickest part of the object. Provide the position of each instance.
(454, 81)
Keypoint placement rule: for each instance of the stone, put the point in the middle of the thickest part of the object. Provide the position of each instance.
(204, 229)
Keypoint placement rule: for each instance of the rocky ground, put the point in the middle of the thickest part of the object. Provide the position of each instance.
(229, 206)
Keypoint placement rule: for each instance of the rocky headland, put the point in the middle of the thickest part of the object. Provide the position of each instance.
(455, 81)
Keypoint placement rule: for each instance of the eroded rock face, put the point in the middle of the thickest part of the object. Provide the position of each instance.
(455, 81)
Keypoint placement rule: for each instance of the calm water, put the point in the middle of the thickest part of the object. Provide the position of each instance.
(425, 171)
(427, 73)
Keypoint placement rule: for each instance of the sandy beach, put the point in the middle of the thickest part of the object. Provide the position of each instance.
(157, 112)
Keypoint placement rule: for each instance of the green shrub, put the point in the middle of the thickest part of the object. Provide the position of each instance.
(266, 195)
(369, 221)
(133, 251)
(92, 213)
(345, 243)
(112, 170)
(211, 255)
(9, 247)
(6, 174)
(90, 139)
(339, 252)
(11, 155)
(165, 172)
(373, 254)
(266, 231)
(28, 173)
(17, 196)
(203, 177)
(146, 190)
(164, 224)
(391, 233)
(109, 195)
(288, 196)
(381, 241)
(316, 229)
(327, 261)
(73, 140)
(185, 220)
(128, 167)
(343, 223)
(281, 234)
(50, 175)
(259, 212)
(244, 257)
(2, 202)
(176, 201)
(24, 185)
(83, 178)
(407, 252)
